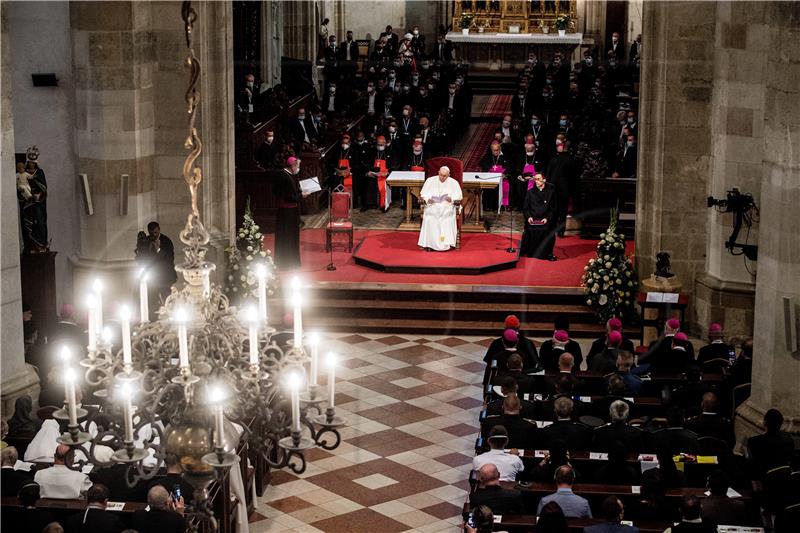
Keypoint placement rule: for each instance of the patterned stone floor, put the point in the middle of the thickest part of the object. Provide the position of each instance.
(411, 405)
(411, 408)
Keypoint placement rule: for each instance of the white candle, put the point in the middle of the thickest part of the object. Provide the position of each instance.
(91, 303)
(72, 404)
(261, 274)
(181, 318)
(144, 304)
(218, 398)
(97, 287)
(125, 318)
(127, 412)
(252, 319)
(298, 320)
(331, 378)
(206, 283)
(294, 387)
(314, 342)
(66, 355)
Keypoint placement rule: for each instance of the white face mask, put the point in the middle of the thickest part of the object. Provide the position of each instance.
(392, 129)
(406, 112)
(416, 32)
(333, 90)
(529, 153)
(381, 147)
(417, 151)
(301, 117)
(345, 146)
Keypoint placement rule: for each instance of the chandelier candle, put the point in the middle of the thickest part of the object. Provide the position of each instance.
(65, 355)
(252, 319)
(127, 411)
(297, 298)
(91, 303)
(261, 274)
(218, 399)
(97, 287)
(125, 319)
(72, 404)
(294, 387)
(313, 341)
(183, 341)
(331, 378)
(144, 304)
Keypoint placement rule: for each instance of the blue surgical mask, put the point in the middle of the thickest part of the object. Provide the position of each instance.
(562, 122)
(535, 121)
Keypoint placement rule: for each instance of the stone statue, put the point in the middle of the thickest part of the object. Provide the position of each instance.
(32, 197)
(663, 266)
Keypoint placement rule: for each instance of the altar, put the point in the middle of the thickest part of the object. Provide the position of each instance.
(504, 50)
(473, 186)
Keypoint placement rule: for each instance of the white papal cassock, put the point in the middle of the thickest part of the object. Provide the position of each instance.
(438, 230)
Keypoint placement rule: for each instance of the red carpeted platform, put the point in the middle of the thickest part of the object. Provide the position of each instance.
(573, 254)
(397, 252)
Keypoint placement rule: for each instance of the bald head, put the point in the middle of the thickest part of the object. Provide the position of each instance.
(62, 452)
(709, 403)
(565, 362)
(488, 475)
(511, 404)
(158, 497)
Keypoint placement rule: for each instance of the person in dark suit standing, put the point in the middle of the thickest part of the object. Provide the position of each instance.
(164, 516)
(287, 224)
(626, 159)
(12, 480)
(331, 101)
(616, 47)
(772, 449)
(161, 259)
(443, 52)
(392, 41)
(95, 517)
(493, 495)
(636, 49)
(563, 172)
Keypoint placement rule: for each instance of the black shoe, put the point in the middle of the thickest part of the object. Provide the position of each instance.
(551, 257)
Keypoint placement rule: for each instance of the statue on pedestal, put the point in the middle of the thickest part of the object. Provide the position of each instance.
(662, 280)
(662, 265)
(32, 197)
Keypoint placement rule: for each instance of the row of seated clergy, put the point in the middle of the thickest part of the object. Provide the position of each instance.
(707, 430)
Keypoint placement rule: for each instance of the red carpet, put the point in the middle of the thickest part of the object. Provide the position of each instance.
(397, 252)
(573, 253)
(476, 147)
(496, 106)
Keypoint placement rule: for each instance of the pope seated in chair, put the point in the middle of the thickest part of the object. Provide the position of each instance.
(442, 196)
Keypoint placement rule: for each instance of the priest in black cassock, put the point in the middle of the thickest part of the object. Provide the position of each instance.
(287, 224)
(540, 224)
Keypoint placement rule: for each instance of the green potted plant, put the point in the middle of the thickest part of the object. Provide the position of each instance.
(562, 23)
(465, 23)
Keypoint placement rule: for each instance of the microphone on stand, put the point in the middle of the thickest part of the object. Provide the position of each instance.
(511, 248)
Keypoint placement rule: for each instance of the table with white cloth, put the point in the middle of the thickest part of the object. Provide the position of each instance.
(472, 186)
(498, 51)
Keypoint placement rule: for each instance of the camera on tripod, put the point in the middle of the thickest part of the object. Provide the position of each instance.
(744, 211)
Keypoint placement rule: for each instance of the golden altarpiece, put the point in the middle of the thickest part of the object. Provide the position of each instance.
(503, 16)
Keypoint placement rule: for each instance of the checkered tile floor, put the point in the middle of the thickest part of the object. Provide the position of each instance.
(411, 405)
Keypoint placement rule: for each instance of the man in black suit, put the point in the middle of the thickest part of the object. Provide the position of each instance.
(718, 508)
(12, 480)
(575, 434)
(522, 433)
(114, 480)
(443, 51)
(709, 423)
(564, 382)
(331, 101)
(616, 47)
(332, 54)
(28, 517)
(392, 41)
(508, 385)
(674, 437)
(95, 518)
(493, 495)
(525, 383)
(417, 43)
(428, 138)
(563, 172)
(266, 152)
(742, 370)
(164, 516)
(636, 49)
(626, 159)
(772, 449)
(300, 130)
(716, 348)
(617, 430)
(173, 478)
(349, 52)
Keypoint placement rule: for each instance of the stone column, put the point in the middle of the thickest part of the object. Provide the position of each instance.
(271, 41)
(725, 292)
(300, 30)
(675, 114)
(776, 369)
(17, 378)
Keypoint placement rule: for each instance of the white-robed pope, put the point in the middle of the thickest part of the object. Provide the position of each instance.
(439, 193)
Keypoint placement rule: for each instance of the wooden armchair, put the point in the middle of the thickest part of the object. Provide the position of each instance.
(341, 218)
(456, 167)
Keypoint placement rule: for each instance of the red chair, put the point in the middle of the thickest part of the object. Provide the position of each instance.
(456, 167)
(341, 218)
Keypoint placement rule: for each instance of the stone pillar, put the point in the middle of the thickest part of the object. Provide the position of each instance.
(675, 114)
(114, 51)
(271, 41)
(17, 378)
(300, 30)
(776, 370)
(725, 292)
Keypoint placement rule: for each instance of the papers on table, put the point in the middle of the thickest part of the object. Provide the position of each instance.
(22, 465)
(310, 185)
(663, 297)
(536, 397)
(585, 399)
(539, 453)
(115, 506)
(543, 423)
(636, 489)
(707, 460)
(497, 390)
(731, 493)
(520, 451)
(539, 373)
(739, 529)
(598, 456)
(628, 399)
(498, 518)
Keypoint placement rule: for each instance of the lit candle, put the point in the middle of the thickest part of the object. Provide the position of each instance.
(72, 404)
(261, 274)
(314, 342)
(144, 304)
(97, 287)
(252, 319)
(294, 387)
(206, 283)
(298, 320)
(66, 355)
(125, 318)
(127, 411)
(218, 400)
(181, 317)
(331, 377)
(91, 303)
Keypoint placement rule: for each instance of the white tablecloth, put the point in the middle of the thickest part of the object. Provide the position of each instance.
(414, 177)
(474, 37)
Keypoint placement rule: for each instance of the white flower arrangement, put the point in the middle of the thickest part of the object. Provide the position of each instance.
(609, 279)
(243, 256)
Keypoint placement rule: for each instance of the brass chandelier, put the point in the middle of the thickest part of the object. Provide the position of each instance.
(174, 381)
